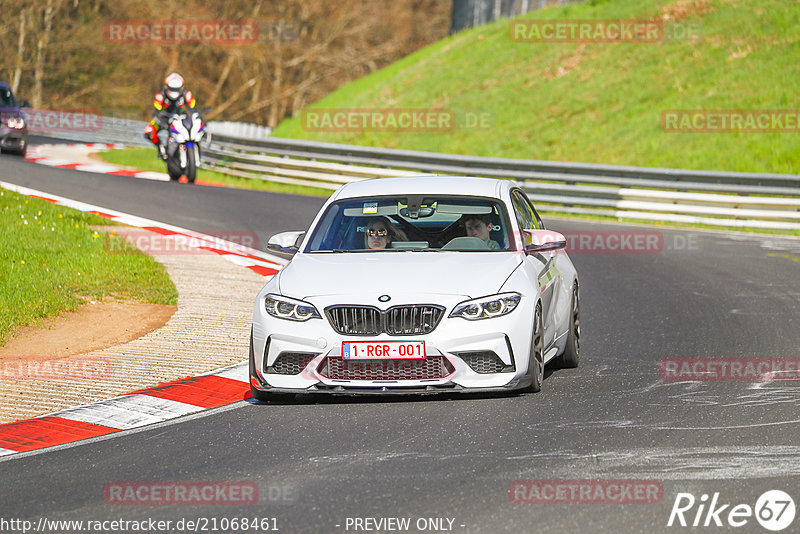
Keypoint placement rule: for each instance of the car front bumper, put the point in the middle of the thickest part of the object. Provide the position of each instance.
(13, 139)
(508, 338)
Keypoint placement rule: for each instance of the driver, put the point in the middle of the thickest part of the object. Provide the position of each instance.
(381, 233)
(173, 98)
(479, 226)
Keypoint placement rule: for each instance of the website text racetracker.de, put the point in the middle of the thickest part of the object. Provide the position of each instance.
(194, 524)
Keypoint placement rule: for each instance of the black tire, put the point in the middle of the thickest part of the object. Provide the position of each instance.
(536, 365)
(572, 353)
(174, 167)
(23, 150)
(191, 165)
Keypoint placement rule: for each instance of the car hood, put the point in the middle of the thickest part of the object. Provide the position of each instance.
(468, 274)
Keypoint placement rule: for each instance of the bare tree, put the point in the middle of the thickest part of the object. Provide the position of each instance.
(50, 10)
(20, 51)
(306, 49)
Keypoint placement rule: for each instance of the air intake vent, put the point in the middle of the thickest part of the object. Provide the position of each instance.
(485, 362)
(430, 368)
(290, 363)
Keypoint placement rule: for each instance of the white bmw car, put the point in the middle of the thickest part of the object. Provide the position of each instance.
(417, 285)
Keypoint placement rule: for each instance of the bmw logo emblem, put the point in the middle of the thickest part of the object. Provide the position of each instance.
(384, 298)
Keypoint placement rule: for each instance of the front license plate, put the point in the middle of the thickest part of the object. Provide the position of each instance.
(383, 350)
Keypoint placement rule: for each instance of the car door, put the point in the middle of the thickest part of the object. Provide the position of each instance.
(544, 264)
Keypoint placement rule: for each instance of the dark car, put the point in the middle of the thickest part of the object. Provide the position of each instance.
(13, 126)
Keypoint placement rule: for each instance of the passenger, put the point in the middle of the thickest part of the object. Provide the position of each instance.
(480, 226)
(381, 233)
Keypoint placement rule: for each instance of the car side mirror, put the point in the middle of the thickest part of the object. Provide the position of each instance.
(286, 242)
(544, 241)
(24, 104)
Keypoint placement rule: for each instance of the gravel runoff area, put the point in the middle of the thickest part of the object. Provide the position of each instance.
(208, 331)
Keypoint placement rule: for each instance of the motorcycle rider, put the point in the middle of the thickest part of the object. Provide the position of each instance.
(173, 98)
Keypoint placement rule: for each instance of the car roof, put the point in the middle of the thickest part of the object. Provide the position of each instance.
(425, 185)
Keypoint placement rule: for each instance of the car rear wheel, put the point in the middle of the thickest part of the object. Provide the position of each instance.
(571, 356)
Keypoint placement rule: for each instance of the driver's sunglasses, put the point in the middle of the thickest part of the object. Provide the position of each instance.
(377, 233)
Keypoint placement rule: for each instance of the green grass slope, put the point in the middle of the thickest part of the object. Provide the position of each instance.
(598, 102)
(50, 256)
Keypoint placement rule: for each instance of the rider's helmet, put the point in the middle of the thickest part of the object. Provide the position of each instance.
(173, 86)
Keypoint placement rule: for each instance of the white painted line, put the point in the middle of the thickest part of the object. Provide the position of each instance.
(130, 411)
(96, 167)
(238, 372)
(96, 439)
(151, 175)
(5, 452)
(54, 162)
(245, 262)
(133, 220)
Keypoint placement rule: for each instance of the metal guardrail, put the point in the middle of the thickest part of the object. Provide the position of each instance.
(129, 132)
(716, 198)
(105, 130)
(731, 199)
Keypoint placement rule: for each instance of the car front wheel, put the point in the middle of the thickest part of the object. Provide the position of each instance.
(536, 364)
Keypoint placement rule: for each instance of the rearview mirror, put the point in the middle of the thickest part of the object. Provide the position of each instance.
(543, 241)
(286, 242)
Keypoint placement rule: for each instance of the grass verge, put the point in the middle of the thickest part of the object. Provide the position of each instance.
(595, 101)
(50, 257)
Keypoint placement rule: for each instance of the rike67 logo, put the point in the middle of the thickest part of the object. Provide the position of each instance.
(774, 510)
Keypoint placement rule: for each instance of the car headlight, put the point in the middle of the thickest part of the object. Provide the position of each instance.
(487, 307)
(290, 309)
(16, 122)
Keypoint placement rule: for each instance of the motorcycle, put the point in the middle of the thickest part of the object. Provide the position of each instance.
(183, 150)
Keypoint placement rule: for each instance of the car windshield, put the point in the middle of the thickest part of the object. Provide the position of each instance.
(7, 98)
(413, 223)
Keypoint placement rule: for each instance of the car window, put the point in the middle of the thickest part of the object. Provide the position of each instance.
(421, 223)
(7, 99)
(526, 216)
(536, 218)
